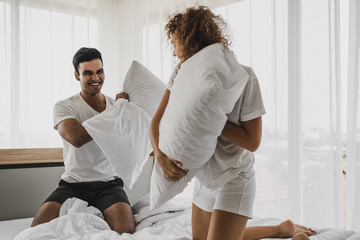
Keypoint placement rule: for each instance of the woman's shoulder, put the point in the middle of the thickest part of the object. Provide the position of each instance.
(248, 69)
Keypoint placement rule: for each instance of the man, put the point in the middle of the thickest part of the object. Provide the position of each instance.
(88, 174)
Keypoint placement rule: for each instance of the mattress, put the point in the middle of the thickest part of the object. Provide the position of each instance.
(10, 228)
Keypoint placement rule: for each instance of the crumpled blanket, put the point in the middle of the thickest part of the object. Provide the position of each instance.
(144, 217)
(77, 221)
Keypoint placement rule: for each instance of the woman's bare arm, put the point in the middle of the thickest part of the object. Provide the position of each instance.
(248, 135)
(170, 167)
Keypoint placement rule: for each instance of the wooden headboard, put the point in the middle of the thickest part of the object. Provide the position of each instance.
(28, 176)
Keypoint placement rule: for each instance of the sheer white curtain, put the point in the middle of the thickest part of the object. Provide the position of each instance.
(133, 30)
(293, 47)
(38, 40)
(353, 129)
(120, 26)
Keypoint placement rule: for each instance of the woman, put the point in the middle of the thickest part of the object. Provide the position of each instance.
(220, 213)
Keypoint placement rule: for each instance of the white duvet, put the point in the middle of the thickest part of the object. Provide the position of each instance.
(77, 221)
(172, 221)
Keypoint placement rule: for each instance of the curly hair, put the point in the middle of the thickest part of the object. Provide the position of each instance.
(196, 28)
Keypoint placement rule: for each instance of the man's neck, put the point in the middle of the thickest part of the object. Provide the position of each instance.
(97, 102)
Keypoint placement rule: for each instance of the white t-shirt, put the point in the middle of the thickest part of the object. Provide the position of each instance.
(229, 159)
(88, 162)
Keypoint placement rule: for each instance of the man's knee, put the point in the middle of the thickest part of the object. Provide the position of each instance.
(47, 212)
(120, 218)
(124, 228)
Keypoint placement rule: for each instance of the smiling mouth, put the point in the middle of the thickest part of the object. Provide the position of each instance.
(94, 84)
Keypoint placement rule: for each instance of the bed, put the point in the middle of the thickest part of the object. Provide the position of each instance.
(170, 221)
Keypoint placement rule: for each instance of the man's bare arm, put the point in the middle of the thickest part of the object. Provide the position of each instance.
(73, 132)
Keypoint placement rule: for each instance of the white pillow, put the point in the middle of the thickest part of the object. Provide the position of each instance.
(144, 88)
(122, 131)
(163, 189)
(205, 89)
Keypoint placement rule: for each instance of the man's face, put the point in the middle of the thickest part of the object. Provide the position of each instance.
(91, 77)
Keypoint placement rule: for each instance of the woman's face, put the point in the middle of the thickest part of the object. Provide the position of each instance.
(178, 48)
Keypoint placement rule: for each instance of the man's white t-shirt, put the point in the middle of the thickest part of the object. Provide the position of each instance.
(86, 163)
(229, 159)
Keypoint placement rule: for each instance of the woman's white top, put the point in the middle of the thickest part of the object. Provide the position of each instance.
(229, 159)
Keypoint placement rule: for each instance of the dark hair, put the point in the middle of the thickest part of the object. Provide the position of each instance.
(85, 55)
(196, 28)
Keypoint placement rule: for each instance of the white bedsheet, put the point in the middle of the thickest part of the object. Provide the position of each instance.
(323, 233)
(171, 221)
(9, 228)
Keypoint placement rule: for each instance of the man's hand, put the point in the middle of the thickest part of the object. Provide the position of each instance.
(122, 95)
(170, 167)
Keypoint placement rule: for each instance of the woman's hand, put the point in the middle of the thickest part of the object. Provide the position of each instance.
(171, 168)
(122, 95)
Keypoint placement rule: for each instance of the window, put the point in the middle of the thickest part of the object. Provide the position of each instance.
(40, 38)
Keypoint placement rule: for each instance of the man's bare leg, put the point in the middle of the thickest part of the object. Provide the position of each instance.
(120, 218)
(47, 212)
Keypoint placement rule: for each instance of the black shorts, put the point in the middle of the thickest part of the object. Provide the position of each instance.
(98, 194)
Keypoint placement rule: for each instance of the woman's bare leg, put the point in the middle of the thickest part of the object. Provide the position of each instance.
(226, 225)
(300, 236)
(286, 229)
(205, 224)
(259, 232)
(200, 223)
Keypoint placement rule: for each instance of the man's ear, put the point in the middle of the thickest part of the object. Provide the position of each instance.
(77, 77)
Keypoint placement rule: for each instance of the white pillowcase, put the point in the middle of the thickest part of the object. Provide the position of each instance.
(122, 131)
(144, 88)
(163, 189)
(205, 89)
